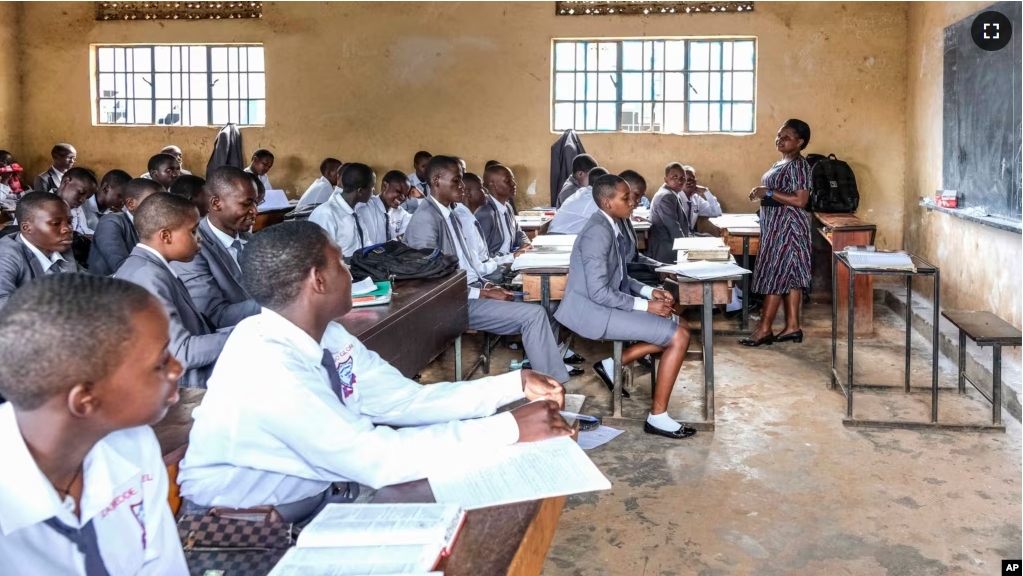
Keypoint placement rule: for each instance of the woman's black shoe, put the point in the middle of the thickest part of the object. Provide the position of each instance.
(576, 372)
(765, 341)
(796, 337)
(599, 369)
(574, 359)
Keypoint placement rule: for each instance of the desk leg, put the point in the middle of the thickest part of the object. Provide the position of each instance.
(707, 327)
(834, 325)
(458, 356)
(934, 346)
(545, 301)
(850, 328)
(962, 362)
(996, 383)
(618, 380)
(909, 325)
(744, 323)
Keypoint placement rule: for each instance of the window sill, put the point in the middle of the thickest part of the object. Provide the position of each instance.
(618, 132)
(992, 221)
(163, 126)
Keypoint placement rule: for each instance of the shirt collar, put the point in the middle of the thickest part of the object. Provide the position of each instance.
(224, 239)
(502, 208)
(43, 260)
(280, 328)
(337, 197)
(444, 210)
(158, 255)
(131, 217)
(614, 225)
(60, 175)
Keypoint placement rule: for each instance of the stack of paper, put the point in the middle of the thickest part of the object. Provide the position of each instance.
(698, 242)
(555, 241)
(274, 200)
(868, 260)
(703, 270)
(643, 213)
(736, 221)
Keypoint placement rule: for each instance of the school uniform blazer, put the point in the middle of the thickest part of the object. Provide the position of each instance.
(214, 281)
(594, 273)
(18, 265)
(46, 181)
(666, 218)
(114, 239)
(192, 340)
(489, 217)
(427, 229)
(633, 243)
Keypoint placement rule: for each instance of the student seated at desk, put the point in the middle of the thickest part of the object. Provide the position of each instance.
(674, 212)
(320, 190)
(194, 189)
(708, 205)
(116, 235)
(76, 187)
(382, 218)
(109, 198)
(176, 153)
(419, 188)
(436, 225)
(167, 225)
(213, 278)
(638, 264)
(602, 302)
(42, 245)
(261, 163)
(581, 166)
(64, 156)
(84, 486)
(573, 215)
(164, 169)
(311, 419)
(501, 230)
(338, 215)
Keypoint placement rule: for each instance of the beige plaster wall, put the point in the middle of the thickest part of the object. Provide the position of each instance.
(10, 83)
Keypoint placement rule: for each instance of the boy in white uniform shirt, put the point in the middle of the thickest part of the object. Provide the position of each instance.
(261, 163)
(314, 411)
(382, 217)
(575, 212)
(338, 215)
(320, 190)
(84, 486)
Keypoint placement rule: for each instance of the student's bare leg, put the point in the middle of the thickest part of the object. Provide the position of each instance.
(671, 362)
(793, 301)
(771, 304)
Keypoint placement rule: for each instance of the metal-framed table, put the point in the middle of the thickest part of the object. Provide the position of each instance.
(746, 234)
(985, 329)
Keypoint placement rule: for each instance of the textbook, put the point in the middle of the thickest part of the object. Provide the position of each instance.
(877, 260)
(357, 539)
(382, 295)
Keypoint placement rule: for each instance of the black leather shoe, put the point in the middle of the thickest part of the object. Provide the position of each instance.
(683, 431)
(599, 369)
(796, 337)
(646, 362)
(576, 372)
(765, 341)
(574, 359)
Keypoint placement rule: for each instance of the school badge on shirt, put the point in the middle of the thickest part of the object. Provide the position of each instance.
(139, 511)
(346, 373)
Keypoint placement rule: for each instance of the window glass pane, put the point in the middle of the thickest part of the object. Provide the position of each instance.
(698, 86)
(591, 86)
(218, 60)
(220, 115)
(632, 55)
(232, 59)
(726, 92)
(697, 117)
(259, 116)
(175, 85)
(714, 123)
(591, 56)
(591, 116)
(564, 56)
(243, 60)
(197, 113)
(606, 86)
(715, 85)
(715, 56)
(658, 118)
(727, 55)
(197, 86)
(674, 86)
(744, 55)
(631, 117)
(580, 86)
(580, 117)
(120, 89)
(743, 86)
(673, 118)
(580, 56)
(256, 60)
(142, 59)
(243, 85)
(563, 117)
(162, 58)
(163, 88)
(106, 86)
(674, 55)
(564, 86)
(699, 55)
(742, 117)
(632, 86)
(647, 117)
(176, 59)
(141, 86)
(648, 54)
(658, 86)
(219, 89)
(119, 65)
(608, 56)
(607, 116)
(232, 85)
(105, 59)
(726, 117)
(106, 111)
(197, 59)
(163, 112)
(659, 55)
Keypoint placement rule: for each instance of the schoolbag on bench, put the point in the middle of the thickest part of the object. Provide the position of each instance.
(396, 261)
(833, 185)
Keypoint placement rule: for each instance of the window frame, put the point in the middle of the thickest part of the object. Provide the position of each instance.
(183, 78)
(619, 102)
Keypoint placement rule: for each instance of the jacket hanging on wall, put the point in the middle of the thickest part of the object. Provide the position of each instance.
(563, 152)
(227, 150)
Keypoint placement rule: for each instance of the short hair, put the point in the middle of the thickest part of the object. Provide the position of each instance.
(6, 156)
(583, 163)
(688, 168)
(223, 178)
(597, 172)
(81, 174)
(393, 176)
(329, 165)
(471, 177)
(604, 186)
(160, 160)
(421, 155)
(633, 177)
(493, 169)
(491, 163)
(187, 186)
(170, 147)
(802, 130)
(439, 164)
(673, 166)
(137, 187)
(356, 175)
(160, 211)
(116, 177)
(31, 203)
(61, 329)
(262, 153)
(60, 149)
(277, 260)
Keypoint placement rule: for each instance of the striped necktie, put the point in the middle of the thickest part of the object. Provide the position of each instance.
(85, 539)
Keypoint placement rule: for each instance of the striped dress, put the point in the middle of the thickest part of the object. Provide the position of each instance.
(783, 261)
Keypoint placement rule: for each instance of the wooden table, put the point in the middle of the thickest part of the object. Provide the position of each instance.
(834, 233)
(985, 329)
(510, 540)
(534, 228)
(270, 217)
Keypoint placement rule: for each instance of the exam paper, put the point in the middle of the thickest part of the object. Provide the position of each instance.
(382, 525)
(356, 561)
(517, 473)
(697, 242)
(554, 240)
(736, 221)
(704, 270)
(592, 438)
(364, 286)
(274, 200)
(537, 259)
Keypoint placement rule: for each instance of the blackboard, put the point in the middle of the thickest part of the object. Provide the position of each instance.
(981, 142)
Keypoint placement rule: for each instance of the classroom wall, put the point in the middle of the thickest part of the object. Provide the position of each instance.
(980, 266)
(10, 97)
(375, 82)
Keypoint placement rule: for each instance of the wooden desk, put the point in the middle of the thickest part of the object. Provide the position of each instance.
(642, 234)
(834, 233)
(510, 540)
(270, 217)
(534, 229)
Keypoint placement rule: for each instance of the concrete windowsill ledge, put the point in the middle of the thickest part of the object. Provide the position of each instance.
(992, 221)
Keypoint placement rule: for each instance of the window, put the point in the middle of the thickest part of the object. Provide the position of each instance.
(662, 86)
(181, 85)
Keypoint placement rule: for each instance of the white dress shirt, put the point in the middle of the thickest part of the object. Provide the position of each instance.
(375, 219)
(476, 242)
(124, 495)
(273, 431)
(317, 193)
(706, 206)
(80, 222)
(647, 292)
(574, 212)
(338, 219)
(45, 262)
(153, 251)
(473, 265)
(415, 182)
(262, 178)
(92, 213)
(226, 241)
(502, 222)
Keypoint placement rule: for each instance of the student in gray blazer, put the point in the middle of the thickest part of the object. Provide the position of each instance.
(115, 235)
(213, 278)
(500, 228)
(435, 225)
(602, 302)
(167, 225)
(42, 245)
(64, 156)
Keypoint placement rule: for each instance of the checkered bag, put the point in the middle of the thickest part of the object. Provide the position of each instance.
(234, 542)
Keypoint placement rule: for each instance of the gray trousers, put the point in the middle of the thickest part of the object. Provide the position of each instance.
(530, 320)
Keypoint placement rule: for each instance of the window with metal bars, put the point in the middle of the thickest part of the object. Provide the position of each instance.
(180, 85)
(667, 86)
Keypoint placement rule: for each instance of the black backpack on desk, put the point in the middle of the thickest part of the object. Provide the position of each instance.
(396, 261)
(833, 185)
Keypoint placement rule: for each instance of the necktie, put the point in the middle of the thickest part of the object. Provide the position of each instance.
(85, 539)
(509, 221)
(387, 223)
(335, 380)
(58, 267)
(461, 243)
(237, 245)
(622, 259)
(358, 229)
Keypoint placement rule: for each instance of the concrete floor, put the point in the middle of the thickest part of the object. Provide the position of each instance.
(781, 486)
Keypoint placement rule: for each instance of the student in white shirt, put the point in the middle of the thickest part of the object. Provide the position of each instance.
(703, 204)
(77, 186)
(338, 216)
(320, 190)
(419, 187)
(64, 156)
(576, 210)
(109, 198)
(261, 163)
(316, 409)
(79, 459)
(382, 217)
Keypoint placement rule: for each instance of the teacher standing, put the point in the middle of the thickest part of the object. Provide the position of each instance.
(783, 261)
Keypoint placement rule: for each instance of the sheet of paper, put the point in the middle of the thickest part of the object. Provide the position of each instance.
(537, 259)
(357, 561)
(736, 221)
(695, 242)
(364, 286)
(554, 240)
(592, 438)
(382, 524)
(640, 226)
(860, 259)
(517, 473)
(274, 200)
(704, 270)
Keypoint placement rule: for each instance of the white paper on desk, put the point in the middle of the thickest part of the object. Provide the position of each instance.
(342, 525)
(641, 212)
(364, 286)
(704, 270)
(736, 221)
(640, 226)
(554, 240)
(536, 259)
(862, 259)
(590, 439)
(274, 200)
(697, 243)
(357, 561)
(517, 473)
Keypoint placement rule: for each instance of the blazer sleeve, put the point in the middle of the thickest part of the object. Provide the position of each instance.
(665, 211)
(193, 350)
(11, 273)
(421, 232)
(593, 249)
(207, 296)
(521, 240)
(487, 218)
(109, 242)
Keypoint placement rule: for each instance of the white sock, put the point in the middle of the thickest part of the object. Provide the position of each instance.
(609, 367)
(663, 421)
(568, 353)
(569, 368)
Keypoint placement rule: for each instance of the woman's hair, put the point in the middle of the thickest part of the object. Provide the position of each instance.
(802, 130)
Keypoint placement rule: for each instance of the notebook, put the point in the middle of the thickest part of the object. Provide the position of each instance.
(380, 295)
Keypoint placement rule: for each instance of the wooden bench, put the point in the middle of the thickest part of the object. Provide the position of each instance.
(985, 329)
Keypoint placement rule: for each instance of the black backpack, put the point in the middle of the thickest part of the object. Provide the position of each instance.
(396, 261)
(833, 185)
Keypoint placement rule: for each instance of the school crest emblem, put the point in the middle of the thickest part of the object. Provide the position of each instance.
(346, 375)
(139, 511)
